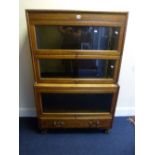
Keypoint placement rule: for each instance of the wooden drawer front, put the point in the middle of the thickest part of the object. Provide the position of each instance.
(88, 123)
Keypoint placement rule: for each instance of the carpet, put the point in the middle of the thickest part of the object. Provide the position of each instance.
(119, 141)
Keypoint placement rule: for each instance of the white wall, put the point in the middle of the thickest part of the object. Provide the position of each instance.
(125, 104)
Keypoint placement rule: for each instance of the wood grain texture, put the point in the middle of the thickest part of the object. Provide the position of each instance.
(42, 15)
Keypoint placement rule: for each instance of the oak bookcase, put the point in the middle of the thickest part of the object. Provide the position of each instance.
(76, 57)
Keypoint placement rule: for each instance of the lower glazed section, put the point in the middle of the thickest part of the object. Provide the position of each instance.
(75, 105)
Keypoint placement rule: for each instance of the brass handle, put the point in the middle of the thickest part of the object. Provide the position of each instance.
(58, 123)
(98, 122)
(94, 123)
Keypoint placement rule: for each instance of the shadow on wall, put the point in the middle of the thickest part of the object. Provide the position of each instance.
(26, 94)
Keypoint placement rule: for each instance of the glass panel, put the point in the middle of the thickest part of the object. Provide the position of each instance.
(77, 37)
(73, 68)
(52, 102)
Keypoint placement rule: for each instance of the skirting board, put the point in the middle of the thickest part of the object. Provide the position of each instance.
(121, 111)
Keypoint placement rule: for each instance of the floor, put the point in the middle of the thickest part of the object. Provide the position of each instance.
(119, 141)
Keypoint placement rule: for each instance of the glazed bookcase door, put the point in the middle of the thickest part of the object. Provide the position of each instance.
(73, 100)
(76, 37)
(72, 70)
(76, 33)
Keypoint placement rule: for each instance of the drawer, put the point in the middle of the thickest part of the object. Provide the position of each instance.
(46, 123)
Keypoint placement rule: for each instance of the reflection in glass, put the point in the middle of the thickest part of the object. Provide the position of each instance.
(75, 68)
(77, 37)
(76, 102)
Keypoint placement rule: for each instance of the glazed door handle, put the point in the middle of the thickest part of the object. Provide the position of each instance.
(112, 66)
